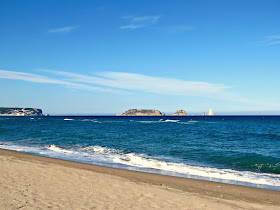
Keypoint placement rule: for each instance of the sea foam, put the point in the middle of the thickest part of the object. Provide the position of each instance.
(104, 155)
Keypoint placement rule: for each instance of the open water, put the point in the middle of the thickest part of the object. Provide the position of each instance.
(243, 150)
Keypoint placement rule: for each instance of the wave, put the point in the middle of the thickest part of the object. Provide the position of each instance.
(149, 121)
(159, 121)
(103, 150)
(171, 120)
(186, 123)
(199, 171)
(58, 149)
(90, 120)
(67, 119)
(113, 121)
(121, 158)
(20, 148)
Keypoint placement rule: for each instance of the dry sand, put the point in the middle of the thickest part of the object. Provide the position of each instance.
(33, 182)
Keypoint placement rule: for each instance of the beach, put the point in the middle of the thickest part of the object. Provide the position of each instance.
(35, 182)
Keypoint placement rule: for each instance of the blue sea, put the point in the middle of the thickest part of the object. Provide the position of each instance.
(242, 150)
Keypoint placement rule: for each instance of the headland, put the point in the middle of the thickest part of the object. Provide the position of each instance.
(8, 111)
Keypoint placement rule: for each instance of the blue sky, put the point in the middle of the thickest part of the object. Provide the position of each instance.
(103, 57)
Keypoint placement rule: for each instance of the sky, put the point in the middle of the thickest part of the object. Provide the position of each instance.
(104, 57)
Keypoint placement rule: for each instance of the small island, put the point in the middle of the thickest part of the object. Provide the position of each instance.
(142, 112)
(7, 111)
(211, 113)
(180, 113)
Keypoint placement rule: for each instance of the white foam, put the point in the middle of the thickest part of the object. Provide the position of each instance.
(160, 121)
(67, 119)
(142, 161)
(207, 172)
(150, 121)
(171, 120)
(58, 149)
(104, 155)
(20, 148)
(103, 150)
(113, 121)
(86, 120)
(98, 149)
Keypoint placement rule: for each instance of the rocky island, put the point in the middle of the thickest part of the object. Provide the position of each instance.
(142, 112)
(180, 113)
(6, 111)
(211, 112)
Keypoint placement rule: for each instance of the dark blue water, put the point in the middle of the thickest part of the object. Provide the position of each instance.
(240, 150)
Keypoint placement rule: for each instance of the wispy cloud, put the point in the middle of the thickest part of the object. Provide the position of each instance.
(14, 75)
(159, 85)
(135, 22)
(120, 82)
(65, 29)
(144, 83)
(271, 40)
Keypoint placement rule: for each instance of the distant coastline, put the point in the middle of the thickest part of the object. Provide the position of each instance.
(21, 112)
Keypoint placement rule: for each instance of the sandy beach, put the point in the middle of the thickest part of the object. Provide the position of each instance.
(34, 182)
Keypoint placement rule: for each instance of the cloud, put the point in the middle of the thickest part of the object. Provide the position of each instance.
(65, 29)
(135, 22)
(144, 83)
(271, 40)
(129, 82)
(14, 75)
(120, 83)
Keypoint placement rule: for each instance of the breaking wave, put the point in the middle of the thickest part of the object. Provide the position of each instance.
(115, 157)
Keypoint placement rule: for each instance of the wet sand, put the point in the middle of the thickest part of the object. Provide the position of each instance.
(35, 182)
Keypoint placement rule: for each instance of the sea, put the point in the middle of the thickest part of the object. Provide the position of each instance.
(241, 150)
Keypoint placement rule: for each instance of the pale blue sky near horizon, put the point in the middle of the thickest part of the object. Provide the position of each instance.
(104, 57)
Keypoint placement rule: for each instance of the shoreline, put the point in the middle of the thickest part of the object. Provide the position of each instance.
(246, 183)
(144, 116)
(202, 188)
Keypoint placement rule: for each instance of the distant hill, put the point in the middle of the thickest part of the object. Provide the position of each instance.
(8, 111)
(141, 112)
